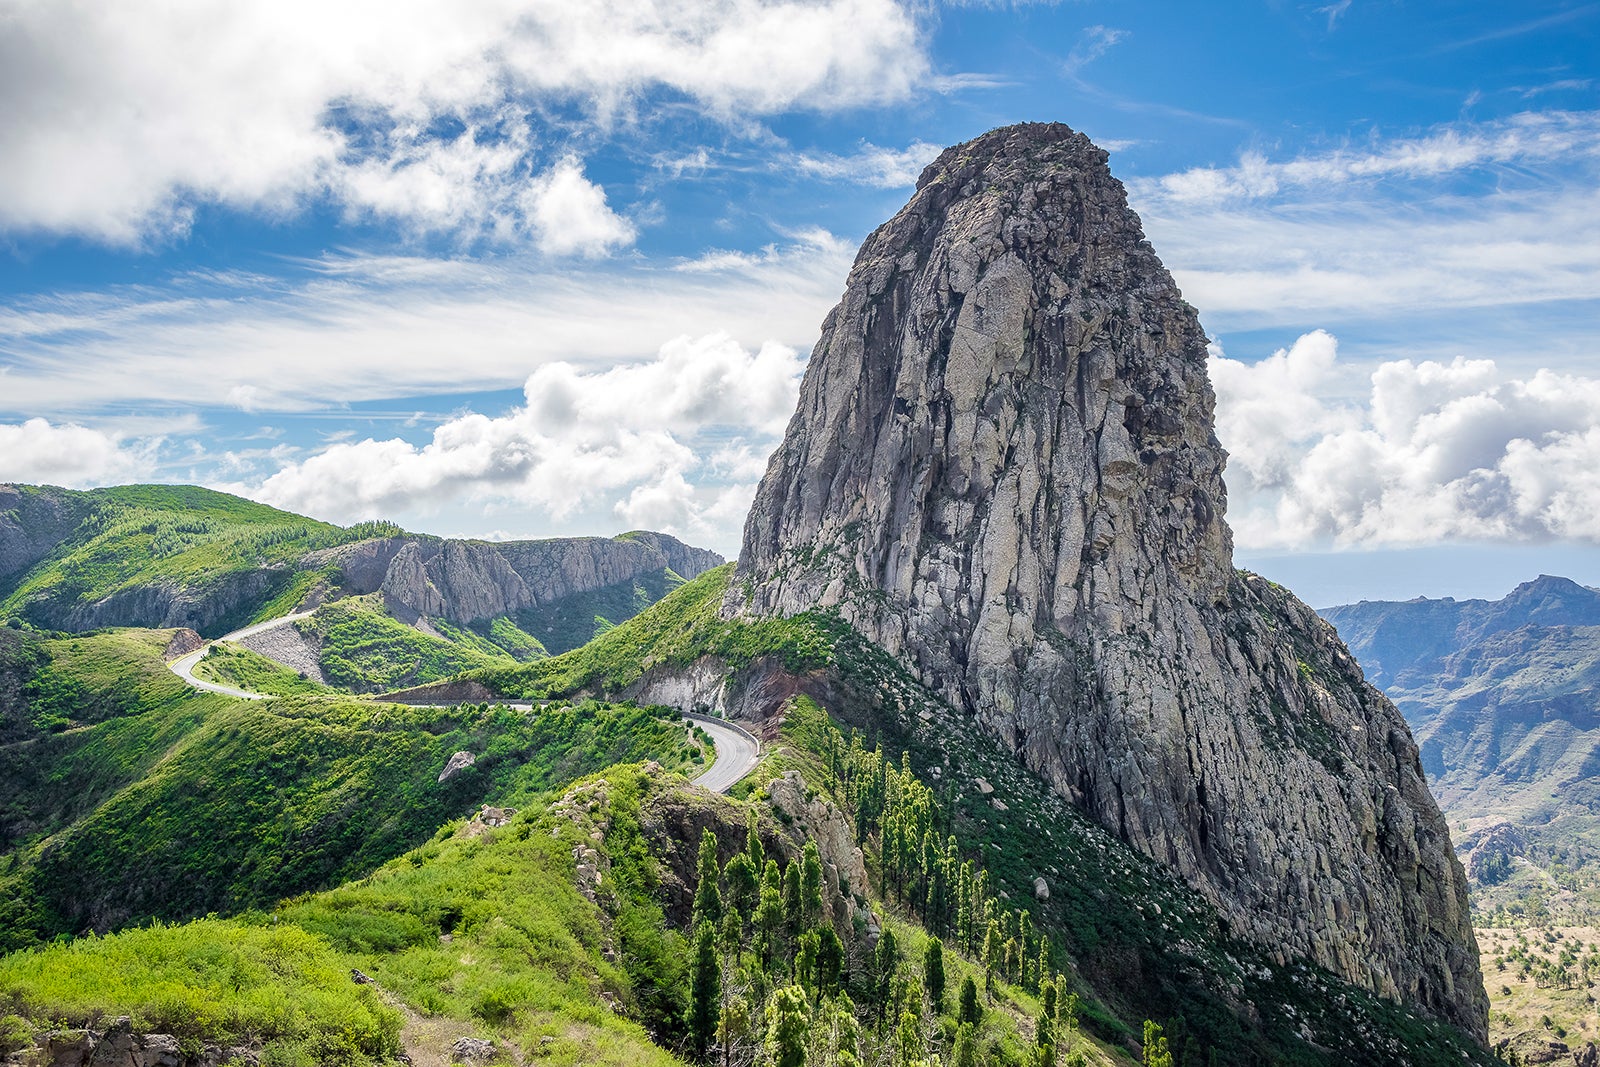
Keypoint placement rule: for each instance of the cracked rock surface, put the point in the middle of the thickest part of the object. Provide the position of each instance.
(1003, 470)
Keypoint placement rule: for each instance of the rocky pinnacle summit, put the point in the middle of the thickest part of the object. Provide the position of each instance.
(1003, 470)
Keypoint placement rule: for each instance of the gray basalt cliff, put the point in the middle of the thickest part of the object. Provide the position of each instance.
(1003, 470)
(469, 580)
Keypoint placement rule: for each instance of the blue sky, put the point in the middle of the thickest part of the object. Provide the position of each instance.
(514, 270)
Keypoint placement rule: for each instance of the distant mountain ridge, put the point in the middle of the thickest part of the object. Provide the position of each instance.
(165, 556)
(1503, 697)
(1405, 642)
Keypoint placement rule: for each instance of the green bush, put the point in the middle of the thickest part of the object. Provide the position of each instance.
(212, 980)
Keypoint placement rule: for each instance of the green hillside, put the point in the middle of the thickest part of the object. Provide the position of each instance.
(161, 802)
(1141, 942)
(208, 559)
(575, 933)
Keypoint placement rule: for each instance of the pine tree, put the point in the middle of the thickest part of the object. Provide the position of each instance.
(752, 844)
(705, 991)
(791, 898)
(830, 960)
(1155, 1052)
(969, 1010)
(933, 974)
(769, 914)
(966, 1050)
(1044, 1043)
(991, 957)
(787, 1024)
(1066, 1007)
(744, 883)
(908, 1040)
(707, 897)
(811, 904)
(805, 964)
(886, 962)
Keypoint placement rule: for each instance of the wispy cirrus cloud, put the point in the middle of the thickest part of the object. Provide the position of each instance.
(1529, 138)
(871, 165)
(349, 328)
(1093, 42)
(1469, 215)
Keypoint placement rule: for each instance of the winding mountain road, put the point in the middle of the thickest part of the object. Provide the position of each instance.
(737, 750)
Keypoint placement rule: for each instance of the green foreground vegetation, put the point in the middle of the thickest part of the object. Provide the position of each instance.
(167, 803)
(621, 916)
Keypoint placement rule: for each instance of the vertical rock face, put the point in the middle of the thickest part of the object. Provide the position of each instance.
(469, 580)
(1003, 469)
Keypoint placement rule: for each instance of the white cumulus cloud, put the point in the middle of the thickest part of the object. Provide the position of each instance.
(123, 118)
(38, 451)
(1434, 451)
(649, 440)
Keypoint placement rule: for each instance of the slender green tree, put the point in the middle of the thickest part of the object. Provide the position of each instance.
(791, 898)
(707, 896)
(805, 965)
(787, 1023)
(705, 992)
(830, 960)
(1044, 1043)
(965, 1053)
(744, 884)
(992, 950)
(933, 973)
(810, 886)
(769, 914)
(1155, 1052)
(908, 1040)
(969, 1010)
(752, 843)
(885, 964)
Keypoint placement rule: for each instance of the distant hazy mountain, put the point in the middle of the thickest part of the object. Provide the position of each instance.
(1504, 700)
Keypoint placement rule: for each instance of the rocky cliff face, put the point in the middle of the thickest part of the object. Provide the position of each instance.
(1003, 470)
(469, 580)
(33, 520)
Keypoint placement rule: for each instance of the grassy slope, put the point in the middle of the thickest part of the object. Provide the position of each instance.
(472, 934)
(674, 631)
(366, 651)
(176, 536)
(181, 803)
(572, 621)
(216, 982)
(1177, 964)
(241, 668)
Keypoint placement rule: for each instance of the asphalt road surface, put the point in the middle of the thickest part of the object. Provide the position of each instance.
(736, 755)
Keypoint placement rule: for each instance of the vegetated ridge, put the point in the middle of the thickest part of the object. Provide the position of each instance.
(181, 556)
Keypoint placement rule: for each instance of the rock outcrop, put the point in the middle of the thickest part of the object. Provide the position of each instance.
(33, 520)
(1003, 470)
(465, 581)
